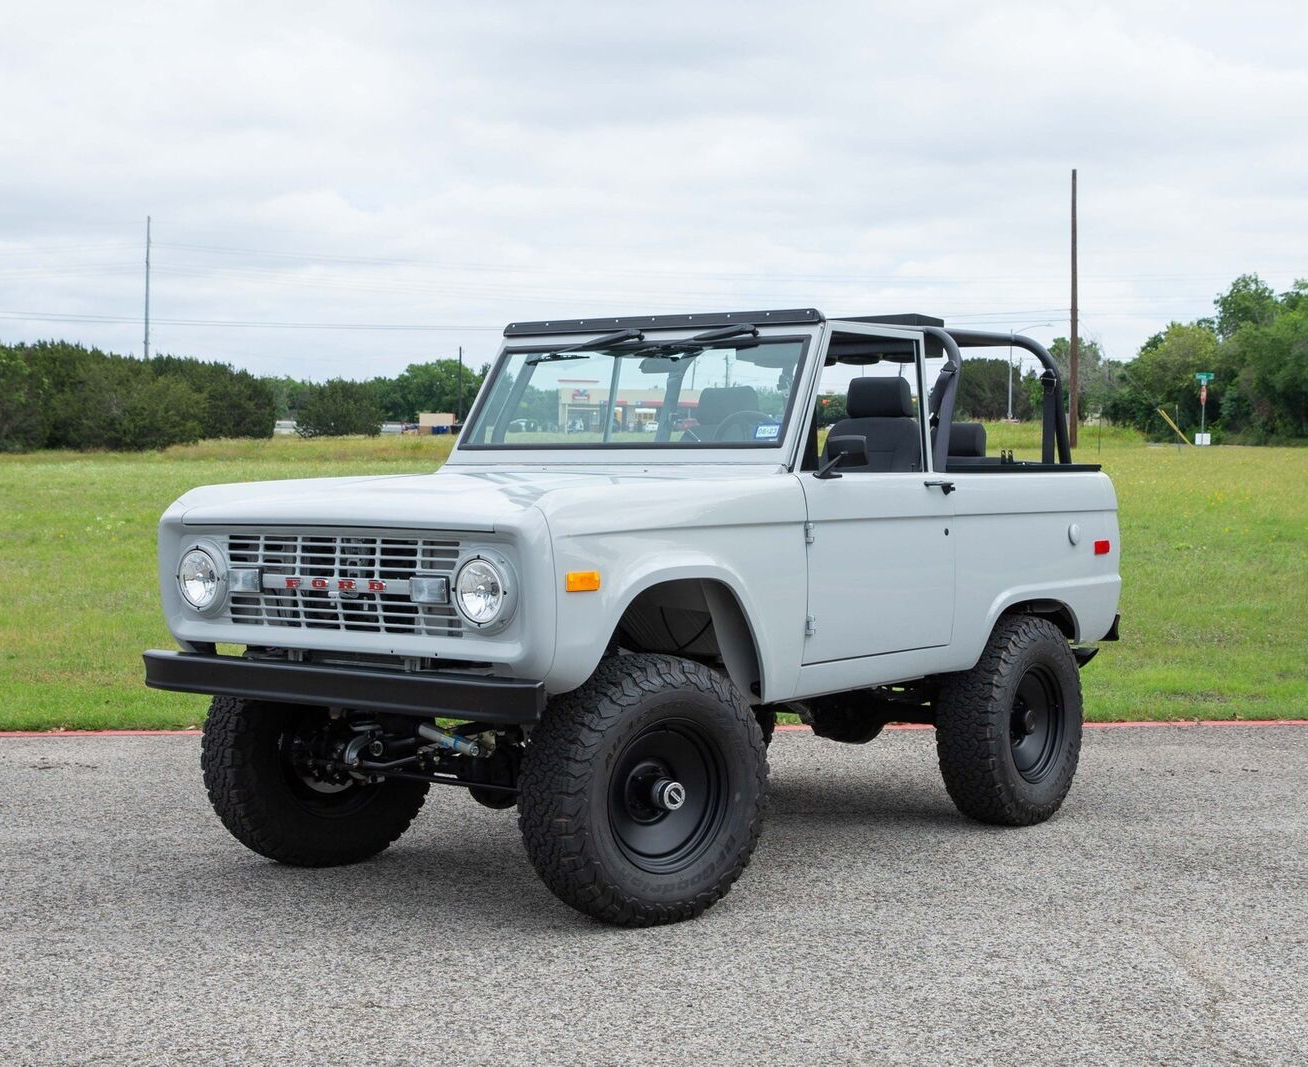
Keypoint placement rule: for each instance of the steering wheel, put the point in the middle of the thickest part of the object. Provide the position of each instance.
(755, 418)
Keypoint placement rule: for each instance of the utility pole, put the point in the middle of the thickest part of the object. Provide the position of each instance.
(1074, 416)
(1010, 375)
(147, 287)
(458, 404)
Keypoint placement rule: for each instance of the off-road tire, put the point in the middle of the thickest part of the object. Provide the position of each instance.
(248, 787)
(574, 765)
(975, 735)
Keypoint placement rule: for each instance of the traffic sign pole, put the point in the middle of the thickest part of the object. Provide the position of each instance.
(1204, 377)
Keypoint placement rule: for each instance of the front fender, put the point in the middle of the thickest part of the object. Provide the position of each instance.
(633, 563)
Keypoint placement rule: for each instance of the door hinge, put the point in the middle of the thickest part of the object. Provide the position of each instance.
(809, 535)
(810, 625)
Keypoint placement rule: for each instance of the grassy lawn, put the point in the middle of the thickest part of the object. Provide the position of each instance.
(1215, 561)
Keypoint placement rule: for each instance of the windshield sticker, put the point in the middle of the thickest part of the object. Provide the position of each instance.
(767, 432)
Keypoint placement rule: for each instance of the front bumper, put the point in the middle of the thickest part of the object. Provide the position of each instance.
(426, 694)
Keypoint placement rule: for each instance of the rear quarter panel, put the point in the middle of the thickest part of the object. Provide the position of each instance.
(1015, 543)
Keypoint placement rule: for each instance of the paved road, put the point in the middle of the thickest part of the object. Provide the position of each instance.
(1162, 917)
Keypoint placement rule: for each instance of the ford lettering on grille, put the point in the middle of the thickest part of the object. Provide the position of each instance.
(368, 583)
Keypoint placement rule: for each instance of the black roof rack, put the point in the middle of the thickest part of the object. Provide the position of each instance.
(663, 322)
(894, 320)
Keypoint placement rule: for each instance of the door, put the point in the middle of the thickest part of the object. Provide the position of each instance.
(881, 558)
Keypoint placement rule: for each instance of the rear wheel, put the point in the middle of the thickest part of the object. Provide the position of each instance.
(642, 792)
(1008, 732)
(274, 777)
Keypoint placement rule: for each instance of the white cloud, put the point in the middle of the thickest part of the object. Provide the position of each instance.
(472, 165)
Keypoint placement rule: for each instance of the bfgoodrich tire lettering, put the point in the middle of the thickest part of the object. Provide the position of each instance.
(1008, 732)
(589, 828)
(259, 800)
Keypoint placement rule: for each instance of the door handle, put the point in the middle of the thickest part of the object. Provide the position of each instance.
(943, 486)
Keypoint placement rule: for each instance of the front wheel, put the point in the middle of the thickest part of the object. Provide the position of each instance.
(642, 792)
(274, 776)
(1008, 732)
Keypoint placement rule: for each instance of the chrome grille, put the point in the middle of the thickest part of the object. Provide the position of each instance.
(362, 558)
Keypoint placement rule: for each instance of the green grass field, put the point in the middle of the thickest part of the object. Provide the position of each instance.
(1214, 563)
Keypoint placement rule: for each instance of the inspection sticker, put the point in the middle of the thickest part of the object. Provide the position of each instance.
(767, 432)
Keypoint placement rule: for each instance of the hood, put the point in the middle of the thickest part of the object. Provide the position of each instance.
(477, 501)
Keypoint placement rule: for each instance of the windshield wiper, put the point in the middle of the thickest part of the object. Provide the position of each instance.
(693, 346)
(579, 351)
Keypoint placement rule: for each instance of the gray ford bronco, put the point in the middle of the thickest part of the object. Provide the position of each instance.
(640, 551)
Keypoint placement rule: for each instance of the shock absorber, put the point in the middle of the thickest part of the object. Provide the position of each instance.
(444, 739)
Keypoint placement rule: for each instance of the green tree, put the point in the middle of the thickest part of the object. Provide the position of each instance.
(339, 407)
(237, 404)
(1267, 368)
(165, 411)
(1092, 393)
(1248, 301)
(831, 409)
(983, 391)
(23, 410)
(435, 387)
(288, 395)
(1164, 375)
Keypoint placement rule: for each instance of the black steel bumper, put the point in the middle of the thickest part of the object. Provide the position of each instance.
(426, 694)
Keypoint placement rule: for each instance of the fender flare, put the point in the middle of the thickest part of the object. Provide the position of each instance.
(729, 605)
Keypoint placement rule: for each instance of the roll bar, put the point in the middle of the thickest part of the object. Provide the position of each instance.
(1054, 431)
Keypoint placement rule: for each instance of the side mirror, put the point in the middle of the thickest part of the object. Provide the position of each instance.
(844, 451)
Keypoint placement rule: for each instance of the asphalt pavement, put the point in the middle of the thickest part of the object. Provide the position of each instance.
(1161, 917)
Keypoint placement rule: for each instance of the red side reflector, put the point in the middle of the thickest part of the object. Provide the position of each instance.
(1101, 548)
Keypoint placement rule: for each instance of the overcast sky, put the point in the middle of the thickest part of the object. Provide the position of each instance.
(457, 166)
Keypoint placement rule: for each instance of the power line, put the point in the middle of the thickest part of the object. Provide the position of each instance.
(243, 323)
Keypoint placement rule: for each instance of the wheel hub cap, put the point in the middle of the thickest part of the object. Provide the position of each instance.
(668, 795)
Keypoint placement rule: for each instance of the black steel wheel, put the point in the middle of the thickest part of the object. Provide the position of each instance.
(642, 793)
(275, 778)
(1037, 723)
(1008, 732)
(667, 796)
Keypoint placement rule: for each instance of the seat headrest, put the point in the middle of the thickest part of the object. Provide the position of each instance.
(879, 398)
(967, 440)
(716, 404)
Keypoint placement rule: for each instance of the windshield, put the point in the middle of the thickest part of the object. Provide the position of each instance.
(676, 395)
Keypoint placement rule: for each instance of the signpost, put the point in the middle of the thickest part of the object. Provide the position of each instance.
(1204, 377)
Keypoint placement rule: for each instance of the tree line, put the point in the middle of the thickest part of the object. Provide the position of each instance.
(55, 394)
(1256, 346)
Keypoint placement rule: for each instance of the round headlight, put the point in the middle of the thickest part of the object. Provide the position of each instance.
(199, 579)
(480, 593)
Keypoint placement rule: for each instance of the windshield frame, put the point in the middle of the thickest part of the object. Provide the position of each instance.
(681, 450)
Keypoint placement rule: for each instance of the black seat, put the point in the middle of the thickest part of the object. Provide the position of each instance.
(967, 440)
(881, 410)
(715, 405)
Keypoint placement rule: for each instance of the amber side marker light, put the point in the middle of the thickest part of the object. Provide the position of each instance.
(1101, 548)
(581, 581)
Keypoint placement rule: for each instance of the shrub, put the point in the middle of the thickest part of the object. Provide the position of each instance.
(338, 408)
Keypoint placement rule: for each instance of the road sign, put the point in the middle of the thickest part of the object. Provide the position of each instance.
(1204, 376)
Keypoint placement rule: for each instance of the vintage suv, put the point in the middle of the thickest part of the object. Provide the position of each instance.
(638, 553)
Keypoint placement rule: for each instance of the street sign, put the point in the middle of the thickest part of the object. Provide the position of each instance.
(1204, 376)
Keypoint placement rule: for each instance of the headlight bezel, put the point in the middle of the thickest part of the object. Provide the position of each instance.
(508, 583)
(219, 563)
